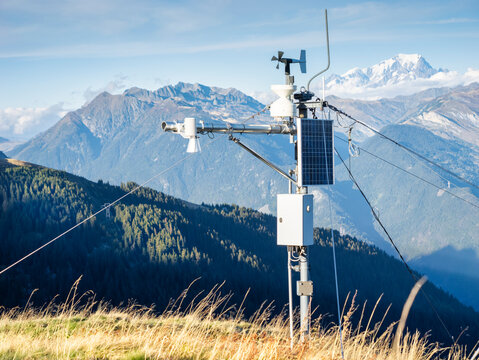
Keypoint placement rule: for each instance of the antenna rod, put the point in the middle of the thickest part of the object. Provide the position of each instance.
(327, 44)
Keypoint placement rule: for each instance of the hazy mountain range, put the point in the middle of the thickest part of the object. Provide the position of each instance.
(6, 144)
(119, 138)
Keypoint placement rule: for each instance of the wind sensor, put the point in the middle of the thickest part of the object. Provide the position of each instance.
(288, 61)
(313, 147)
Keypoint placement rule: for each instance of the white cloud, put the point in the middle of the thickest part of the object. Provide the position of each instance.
(23, 123)
(449, 21)
(112, 87)
(159, 81)
(264, 97)
(38, 29)
(471, 75)
(408, 87)
(157, 47)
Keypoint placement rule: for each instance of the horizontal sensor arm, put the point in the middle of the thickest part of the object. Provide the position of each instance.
(235, 128)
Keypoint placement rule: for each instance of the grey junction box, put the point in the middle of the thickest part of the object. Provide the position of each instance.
(295, 219)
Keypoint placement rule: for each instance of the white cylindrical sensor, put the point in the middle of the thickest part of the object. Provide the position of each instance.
(190, 128)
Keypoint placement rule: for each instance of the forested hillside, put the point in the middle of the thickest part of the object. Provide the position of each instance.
(153, 246)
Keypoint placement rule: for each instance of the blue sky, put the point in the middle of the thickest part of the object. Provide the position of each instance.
(56, 55)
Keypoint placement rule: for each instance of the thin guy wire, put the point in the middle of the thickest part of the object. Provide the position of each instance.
(394, 245)
(256, 114)
(334, 248)
(102, 209)
(404, 147)
(412, 174)
(425, 165)
(432, 169)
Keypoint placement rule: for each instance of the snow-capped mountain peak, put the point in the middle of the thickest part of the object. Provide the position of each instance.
(408, 60)
(403, 74)
(400, 67)
(397, 69)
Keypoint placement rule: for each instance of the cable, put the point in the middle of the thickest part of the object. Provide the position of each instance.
(102, 209)
(334, 249)
(394, 245)
(257, 114)
(414, 175)
(427, 166)
(404, 147)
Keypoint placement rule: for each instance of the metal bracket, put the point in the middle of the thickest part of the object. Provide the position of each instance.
(304, 288)
(258, 156)
(314, 104)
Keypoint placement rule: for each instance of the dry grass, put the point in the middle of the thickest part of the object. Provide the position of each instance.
(204, 329)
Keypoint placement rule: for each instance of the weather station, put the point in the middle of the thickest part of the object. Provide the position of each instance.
(294, 115)
(304, 120)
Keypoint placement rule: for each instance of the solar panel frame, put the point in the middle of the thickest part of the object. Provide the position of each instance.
(312, 159)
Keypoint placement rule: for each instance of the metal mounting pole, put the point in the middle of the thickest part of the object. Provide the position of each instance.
(290, 281)
(290, 296)
(304, 299)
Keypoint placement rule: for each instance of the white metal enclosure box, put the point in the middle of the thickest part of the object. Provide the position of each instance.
(295, 219)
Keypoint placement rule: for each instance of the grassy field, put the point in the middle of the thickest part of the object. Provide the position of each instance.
(201, 329)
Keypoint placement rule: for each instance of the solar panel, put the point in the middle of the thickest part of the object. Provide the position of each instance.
(315, 152)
